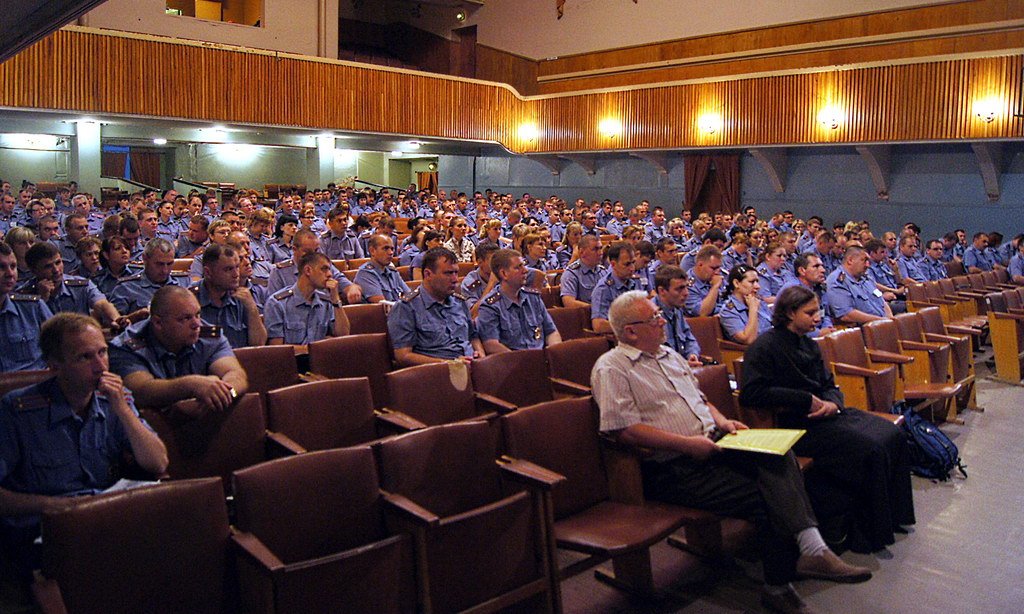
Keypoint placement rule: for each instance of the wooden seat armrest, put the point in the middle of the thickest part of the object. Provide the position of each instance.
(529, 474)
(312, 377)
(709, 360)
(256, 551)
(589, 332)
(963, 330)
(969, 294)
(489, 403)
(936, 338)
(932, 391)
(398, 420)
(727, 345)
(47, 595)
(935, 302)
(889, 357)
(920, 346)
(895, 419)
(842, 368)
(1015, 310)
(279, 444)
(408, 510)
(565, 386)
(612, 443)
(1001, 315)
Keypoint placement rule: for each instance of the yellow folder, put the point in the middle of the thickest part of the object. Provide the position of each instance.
(766, 441)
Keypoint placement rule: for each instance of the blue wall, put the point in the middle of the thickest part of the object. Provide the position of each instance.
(939, 187)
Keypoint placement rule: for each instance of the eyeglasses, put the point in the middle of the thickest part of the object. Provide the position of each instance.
(656, 320)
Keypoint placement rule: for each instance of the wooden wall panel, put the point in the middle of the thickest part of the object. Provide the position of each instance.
(497, 65)
(75, 70)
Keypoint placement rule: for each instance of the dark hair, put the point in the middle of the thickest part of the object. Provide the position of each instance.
(616, 249)
(736, 275)
(788, 301)
(803, 261)
(54, 332)
(39, 252)
(281, 221)
(484, 250)
(502, 259)
(873, 246)
(435, 254)
(714, 234)
(107, 245)
(664, 275)
(215, 252)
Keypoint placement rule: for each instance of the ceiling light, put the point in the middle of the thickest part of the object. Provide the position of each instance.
(160, 141)
(710, 122)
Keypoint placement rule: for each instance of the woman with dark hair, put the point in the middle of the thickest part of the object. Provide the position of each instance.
(744, 315)
(861, 477)
(114, 262)
(281, 245)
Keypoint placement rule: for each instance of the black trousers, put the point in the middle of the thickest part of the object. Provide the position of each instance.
(764, 489)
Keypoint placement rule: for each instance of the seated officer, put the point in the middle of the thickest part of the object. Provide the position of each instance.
(173, 355)
(219, 232)
(132, 294)
(480, 281)
(911, 268)
(224, 303)
(649, 397)
(619, 279)
(512, 316)
(379, 278)
(932, 263)
(672, 287)
(340, 243)
(977, 257)
(581, 276)
(706, 290)
(432, 323)
(286, 272)
(810, 273)
(854, 297)
(72, 294)
(311, 309)
(66, 436)
(885, 273)
(21, 316)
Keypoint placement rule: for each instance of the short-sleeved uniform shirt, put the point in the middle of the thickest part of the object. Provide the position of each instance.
(518, 326)
(678, 335)
(290, 316)
(21, 315)
(385, 281)
(442, 329)
(231, 316)
(609, 288)
(579, 280)
(735, 315)
(75, 295)
(846, 293)
(137, 349)
(136, 291)
(286, 273)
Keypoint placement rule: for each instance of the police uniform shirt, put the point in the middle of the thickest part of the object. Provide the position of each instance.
(21, 315)
(772, 282)
(286, 273)
(473, 286)
(846, 294)
(231, 317)
(616, 226)
(731, 259)
(608, 288)
(137, 349)
(678, 335)
(68, 255)
(689, 259)
(735, 315)
(278, 251)
(1016, 265)
(823, 304)
(105, 280)
(340, 248)
(977, 258)
(1005, 252)
(911, 269)
(518, 326)
(75, 295)
(290, 316)
(259, 247)
(653, 233)
(442, 329)
(933, 269)
(409, 253)
(557, 232)
(187, 248)
(384, 281)
(548, 263)
(259, 294)
(828, 261)
(47, 449)
(880, 272)
(135, 291)
(698, 291)
(168, 230)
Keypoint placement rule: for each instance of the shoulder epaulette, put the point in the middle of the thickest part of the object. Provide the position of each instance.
(209, 332)
(283, 294)
(408, 296)
(841, 277)
(459, 295)
(493, 298)
(285, 263)
(325, 234)
(137, 263)
(25, 297)
(135, 343)
(179, 273)
(476, 284)
(76, 283)
(31, 401)
(575, 264)
(530, 290)
(131, 277)
(609, 281)
(195, 289)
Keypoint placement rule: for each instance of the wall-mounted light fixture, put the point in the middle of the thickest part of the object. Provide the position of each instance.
(830, 116)
(986, 109)
(159, 141)
(710, 123)
(528, 132)
(460, 16)
(610, 127)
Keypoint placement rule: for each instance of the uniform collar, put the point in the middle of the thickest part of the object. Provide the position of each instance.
(60, 409)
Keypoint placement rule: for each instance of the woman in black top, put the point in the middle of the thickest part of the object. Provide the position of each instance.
(860, 461)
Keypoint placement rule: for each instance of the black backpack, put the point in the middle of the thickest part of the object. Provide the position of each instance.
(932, 454)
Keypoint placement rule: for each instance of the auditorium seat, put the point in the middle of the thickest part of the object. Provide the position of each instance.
(562, 437)
(571, 322)
(12, 380)
(438, 393)
(312, 538)
(356, 355)
(483, 541)
(216, 442)
(1007, 338)
(961, 362)
(864, 385)
(570, 364)
(158, 549)
(366, 318)
(519, 378)
(708, 332)
(333, 413)
(269, 367)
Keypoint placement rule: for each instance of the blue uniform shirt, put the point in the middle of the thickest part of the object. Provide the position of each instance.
(47, 449)
(408, 255)
(735, 315)
(137, 349)
(340, 248)
(772, 282)
(846, 294)
(290, 316)
(518, 326)
(653, 233)
(1016, 265)
(286, 273)
(136, 291)
(933, 269)
(730, 259)
(473, 286)
(880, 272)
(105, 280)
(678, 335)
(441, 329)
(911, 268)
(231, 316)
(75, 295)
(68, 254)
(698, 291)
(21, 315)
(384, 281)
(608, 288)
(978, 258)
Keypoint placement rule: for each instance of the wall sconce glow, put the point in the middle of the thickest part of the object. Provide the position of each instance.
(396, 154)
(236, 153)
(30, 141)
(159, 141)
(610, 127)
(413, 145)
(344, 156)
(528, 132)
(830, 117)
(986, 109)
(710, 122)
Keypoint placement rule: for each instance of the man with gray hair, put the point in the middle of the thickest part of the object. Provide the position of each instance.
(649, 397)
(132, 294)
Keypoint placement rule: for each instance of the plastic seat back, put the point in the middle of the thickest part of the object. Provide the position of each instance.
(574, 360)
(437, 393)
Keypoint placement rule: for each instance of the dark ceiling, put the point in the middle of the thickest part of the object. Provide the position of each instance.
(23, 22)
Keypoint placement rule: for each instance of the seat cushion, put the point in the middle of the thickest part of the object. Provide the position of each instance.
(616, 528)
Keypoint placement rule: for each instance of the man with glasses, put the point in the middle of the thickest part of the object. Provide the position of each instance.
(339, 242)
(672, 287)
(932, 263)
(618, 280)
